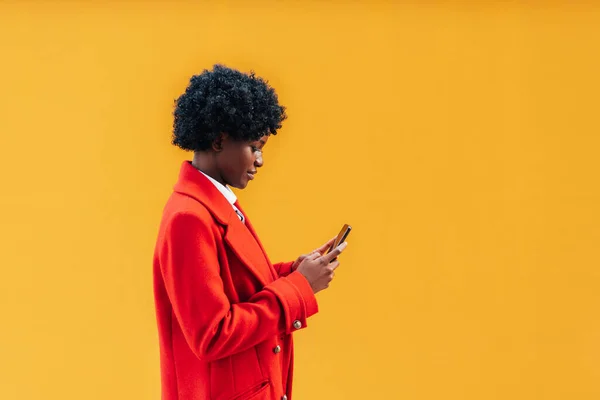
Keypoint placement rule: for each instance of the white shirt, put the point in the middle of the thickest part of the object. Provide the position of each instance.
(228, 193)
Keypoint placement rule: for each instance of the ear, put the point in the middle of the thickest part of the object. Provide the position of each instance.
(217, 144)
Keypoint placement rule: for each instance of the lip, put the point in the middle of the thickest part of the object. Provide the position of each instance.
(251, 175)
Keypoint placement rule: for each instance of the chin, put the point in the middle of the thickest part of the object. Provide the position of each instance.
(240, 185)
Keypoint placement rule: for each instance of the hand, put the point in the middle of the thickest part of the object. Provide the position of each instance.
(318, 269)
(320, 251)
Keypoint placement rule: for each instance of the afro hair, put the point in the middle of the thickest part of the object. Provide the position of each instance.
(225, 100)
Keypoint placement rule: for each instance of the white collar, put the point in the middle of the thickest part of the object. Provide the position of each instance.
(225, 190)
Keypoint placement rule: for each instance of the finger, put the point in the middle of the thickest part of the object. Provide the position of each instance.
(321, 250)
(313, 256)
(334, 253)
(333, 265)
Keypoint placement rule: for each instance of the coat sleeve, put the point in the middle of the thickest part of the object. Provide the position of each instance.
(213, 327)
(283, 268)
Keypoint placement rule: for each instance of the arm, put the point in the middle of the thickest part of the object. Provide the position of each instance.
(213, 327)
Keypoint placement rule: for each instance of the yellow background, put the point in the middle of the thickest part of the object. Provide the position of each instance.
(460, 140)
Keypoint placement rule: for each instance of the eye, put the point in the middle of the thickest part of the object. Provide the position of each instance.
(255, 149)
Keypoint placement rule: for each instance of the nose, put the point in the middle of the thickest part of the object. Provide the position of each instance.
(259, 160)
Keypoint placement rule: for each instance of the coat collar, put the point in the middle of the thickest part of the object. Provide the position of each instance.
(241, 238)
(194, 184)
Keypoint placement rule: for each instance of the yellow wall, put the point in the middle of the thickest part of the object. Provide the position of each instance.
(460, 141)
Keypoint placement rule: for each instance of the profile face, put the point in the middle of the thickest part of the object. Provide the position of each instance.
(239, 160)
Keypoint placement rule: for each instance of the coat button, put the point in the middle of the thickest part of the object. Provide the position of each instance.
(284, 397)
(277, 349)
(297, 324)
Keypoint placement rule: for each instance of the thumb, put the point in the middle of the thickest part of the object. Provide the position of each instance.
(321, 250)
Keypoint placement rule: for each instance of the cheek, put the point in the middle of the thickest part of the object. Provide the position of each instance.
(248, 160)
(240, 163)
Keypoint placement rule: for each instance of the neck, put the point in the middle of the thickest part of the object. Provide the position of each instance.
(206, 162)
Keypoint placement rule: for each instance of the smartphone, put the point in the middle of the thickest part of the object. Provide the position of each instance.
(341, 237)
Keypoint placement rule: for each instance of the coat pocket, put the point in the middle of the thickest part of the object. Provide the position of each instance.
(256, 392)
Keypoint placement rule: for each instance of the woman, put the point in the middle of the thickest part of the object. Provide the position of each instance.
(225, 313)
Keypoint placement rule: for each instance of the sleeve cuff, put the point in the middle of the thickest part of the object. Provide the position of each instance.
(305, 291)
(297, 298)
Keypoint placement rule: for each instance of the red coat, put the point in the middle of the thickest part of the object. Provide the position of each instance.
(225, 314)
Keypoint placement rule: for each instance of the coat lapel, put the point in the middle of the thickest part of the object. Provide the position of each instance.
(250, 228)
(248, 250)
(241, 238)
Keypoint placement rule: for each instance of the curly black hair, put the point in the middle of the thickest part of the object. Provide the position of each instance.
(225, 100)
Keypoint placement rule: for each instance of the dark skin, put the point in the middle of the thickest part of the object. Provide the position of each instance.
(231, 162)
(235, 163)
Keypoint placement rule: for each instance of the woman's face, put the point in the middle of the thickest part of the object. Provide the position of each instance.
(238, 161)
